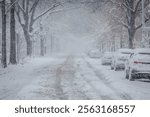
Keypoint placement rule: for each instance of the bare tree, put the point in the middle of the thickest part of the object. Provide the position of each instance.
(132, 10)
(26, 15)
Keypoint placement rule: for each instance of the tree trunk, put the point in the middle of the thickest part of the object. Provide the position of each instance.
(42, 47)
(28, 41)
(4, 55)
(131, 38)
(121, 37)
(18, 47)
(51, 44)
(12, 35)
(29, 47)
(131, 16)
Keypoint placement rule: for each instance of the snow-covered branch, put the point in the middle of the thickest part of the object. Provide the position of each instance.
(128, 7)
(19, 17)
(139, 26)
(16, 1)
(137, 5)
(34, 5)
(42, 14)
(23, 10)
(119, 20)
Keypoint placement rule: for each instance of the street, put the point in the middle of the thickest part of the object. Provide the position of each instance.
(69, 78)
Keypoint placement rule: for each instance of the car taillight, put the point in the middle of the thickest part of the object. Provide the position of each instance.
(137, 62)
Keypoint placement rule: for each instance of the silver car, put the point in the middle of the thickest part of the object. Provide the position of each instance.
(107, 58)
(94, 54)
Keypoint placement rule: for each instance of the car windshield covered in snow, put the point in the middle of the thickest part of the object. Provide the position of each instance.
(144, 55)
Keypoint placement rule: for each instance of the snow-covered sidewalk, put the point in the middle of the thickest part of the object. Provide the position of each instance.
(21, 81)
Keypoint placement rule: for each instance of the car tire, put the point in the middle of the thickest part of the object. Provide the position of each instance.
(131, 77)
(116, 68)
(112, 68)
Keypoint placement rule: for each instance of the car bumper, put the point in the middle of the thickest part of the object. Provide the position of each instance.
(120, 65)
(141, 73)
(108, 62)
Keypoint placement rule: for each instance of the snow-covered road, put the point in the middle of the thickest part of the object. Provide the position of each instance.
(136, 90)
(67, 78)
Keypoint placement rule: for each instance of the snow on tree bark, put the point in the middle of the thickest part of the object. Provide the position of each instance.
(12, 35)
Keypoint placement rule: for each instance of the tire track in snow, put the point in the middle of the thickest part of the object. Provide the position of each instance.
(64, 82)
(103, 97)
(59, 75)
(123, 95)
(96, 87)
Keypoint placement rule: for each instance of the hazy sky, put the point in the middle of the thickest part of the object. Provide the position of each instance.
(75, 29)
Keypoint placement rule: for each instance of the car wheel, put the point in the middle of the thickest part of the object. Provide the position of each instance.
(112, 67)
(116, 68)
(131, 77)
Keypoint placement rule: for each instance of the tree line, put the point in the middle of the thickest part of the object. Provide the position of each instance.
(26, 13)
(123, 14)
(125, 17)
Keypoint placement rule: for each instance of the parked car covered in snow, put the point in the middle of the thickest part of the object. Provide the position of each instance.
(107, 58)
(138, 66)
(120, 57)
(94, 54)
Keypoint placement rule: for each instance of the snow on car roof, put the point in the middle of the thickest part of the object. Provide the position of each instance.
(142, 50)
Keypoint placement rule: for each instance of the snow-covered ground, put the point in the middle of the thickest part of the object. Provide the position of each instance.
(68, 77)
(20, 81)
(137, 90)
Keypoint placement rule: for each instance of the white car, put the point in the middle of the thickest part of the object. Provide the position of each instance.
(94, 54)
(107, 58)
(138, 66)
(119, 58)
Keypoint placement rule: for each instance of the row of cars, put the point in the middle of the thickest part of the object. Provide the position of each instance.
(135, 62)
